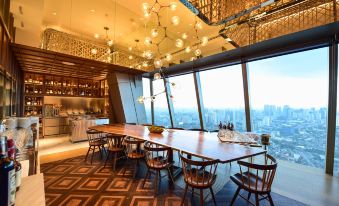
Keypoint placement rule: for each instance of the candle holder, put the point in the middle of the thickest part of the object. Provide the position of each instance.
(265, 140)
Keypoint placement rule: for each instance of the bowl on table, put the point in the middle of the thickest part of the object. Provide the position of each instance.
(155, 129)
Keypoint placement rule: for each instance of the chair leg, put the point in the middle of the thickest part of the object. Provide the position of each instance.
(235, 196)
(170, 175)
(107, 157)
(183, 197)
(93, 151)
(256, 199)
(270, 199)
(100, 150)
(249, 196)
(213, 197)
(156, 183)
(135, 168)
(201, 197)
(114, 160)
(89, 149)
(147, 173)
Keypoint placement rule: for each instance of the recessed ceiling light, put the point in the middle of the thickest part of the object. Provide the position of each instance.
(68, 63)
(92, 10)
(54, 13)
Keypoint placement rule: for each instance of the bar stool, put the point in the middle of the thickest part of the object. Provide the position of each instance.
(95, 140)
(255, 178)
(199, 174)
(114, 148)
(157, 160)
(133, 151)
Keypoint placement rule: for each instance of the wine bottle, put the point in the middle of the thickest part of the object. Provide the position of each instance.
(7, 176)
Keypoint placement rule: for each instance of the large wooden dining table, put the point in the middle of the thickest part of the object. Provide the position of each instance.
(202, 144)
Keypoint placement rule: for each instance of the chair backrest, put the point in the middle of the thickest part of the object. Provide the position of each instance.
(93, 135)
(258, 177)
(199, 172)
(156, 155)
(115, 141)
(133, 146)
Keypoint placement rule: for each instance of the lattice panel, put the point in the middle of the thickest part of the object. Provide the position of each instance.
(215, 12)
(301, 16)
(70, 44)
(297, 18)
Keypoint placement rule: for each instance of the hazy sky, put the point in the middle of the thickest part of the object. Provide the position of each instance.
(299, 80)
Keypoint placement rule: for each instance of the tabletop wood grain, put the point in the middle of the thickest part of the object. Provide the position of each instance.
(203, 144)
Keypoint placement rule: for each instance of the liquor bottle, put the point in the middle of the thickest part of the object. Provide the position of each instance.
(7, 176)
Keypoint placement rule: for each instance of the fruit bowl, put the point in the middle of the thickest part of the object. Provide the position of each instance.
(155, 129)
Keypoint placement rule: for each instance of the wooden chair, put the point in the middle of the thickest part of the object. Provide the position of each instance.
(199, 174)
(157, 160)
(133, 151)
(95, 140)
(255, 178)
(114, 148)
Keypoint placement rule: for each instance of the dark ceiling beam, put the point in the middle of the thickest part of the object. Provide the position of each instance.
(49, 62)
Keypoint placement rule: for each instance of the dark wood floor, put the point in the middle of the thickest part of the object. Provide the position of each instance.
(76, 182)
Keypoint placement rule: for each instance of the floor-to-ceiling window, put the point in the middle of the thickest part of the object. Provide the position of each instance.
(147, 92)
(289, 98)
(223, 97)
(336, 154)
(161, 113)
(184, 102)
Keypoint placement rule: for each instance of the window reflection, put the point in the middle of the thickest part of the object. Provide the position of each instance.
(289, 97)
(184, 102)
(147, 92)
(223, 97)
(161, 114)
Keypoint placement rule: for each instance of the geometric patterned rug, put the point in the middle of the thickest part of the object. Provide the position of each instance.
(74, 182)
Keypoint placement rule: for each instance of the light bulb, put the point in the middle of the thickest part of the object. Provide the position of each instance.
(94, 51)
(148, 41)
(175, 20)
(157, 76)
(197, 52)
(188, 49)
(168, 57)
(184, 36)
(145, 64)
(130, 48)
(130, 57)
(146, 14)
(141, 99)
(198, 25)
(147, 54)
(204, 41)
(179, 43)
(158, 63)
(96, 36)
(110, 42)
(173, 6)
(154, 32)
(145, 6)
